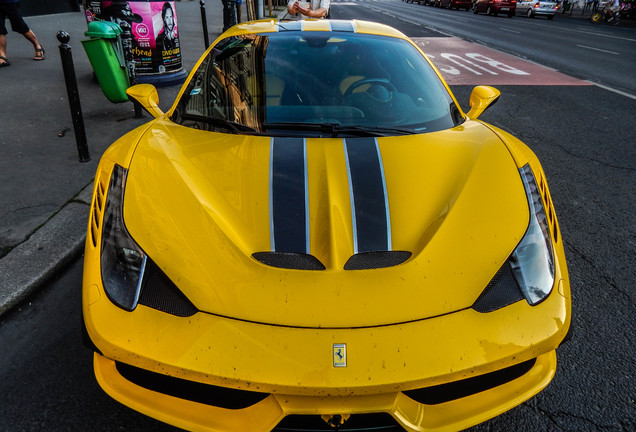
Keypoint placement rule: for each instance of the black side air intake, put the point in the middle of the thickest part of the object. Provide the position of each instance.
(159, 292)
(503, 290)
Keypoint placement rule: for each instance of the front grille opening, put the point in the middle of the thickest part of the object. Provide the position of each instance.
(376, 422)
(207, 394)
(459, 389)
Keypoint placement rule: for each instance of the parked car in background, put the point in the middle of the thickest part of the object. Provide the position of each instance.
(495, 7)
(532, 8)
(455, 4)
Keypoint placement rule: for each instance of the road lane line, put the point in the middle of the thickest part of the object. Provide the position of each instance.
(613, 90)
(597, 49)
(583, 30)
(508, 30)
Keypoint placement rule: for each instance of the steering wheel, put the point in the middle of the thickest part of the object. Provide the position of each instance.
(371, 81)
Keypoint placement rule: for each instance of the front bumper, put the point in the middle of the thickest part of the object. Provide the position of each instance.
(267, 413)
(292, 368)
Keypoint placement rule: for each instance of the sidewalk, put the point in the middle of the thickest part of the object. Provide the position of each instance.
(45, 191)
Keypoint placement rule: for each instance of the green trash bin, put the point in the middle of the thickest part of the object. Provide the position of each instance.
(105, 52)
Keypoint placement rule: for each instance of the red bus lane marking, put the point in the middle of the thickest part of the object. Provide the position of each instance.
(466, 63)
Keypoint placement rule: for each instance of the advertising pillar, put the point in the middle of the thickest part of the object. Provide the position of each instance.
(156, 48)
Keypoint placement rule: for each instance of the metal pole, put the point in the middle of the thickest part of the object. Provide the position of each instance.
(204, 22)
(229, 14)
(127, 46)
(73, 95)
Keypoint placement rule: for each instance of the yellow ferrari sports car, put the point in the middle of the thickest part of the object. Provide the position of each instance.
(316, 237)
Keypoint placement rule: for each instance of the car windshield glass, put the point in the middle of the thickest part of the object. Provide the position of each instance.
(316, 84)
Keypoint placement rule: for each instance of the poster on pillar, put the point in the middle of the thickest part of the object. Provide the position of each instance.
(156, 48)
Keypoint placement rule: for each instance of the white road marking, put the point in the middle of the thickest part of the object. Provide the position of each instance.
(583, 30)
(597, 49)
(613, 90)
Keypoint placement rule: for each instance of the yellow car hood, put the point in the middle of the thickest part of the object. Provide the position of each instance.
(199, 205)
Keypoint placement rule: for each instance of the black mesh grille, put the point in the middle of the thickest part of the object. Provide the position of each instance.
(503, 290)
(456, 390)
(190, 390)
(380, 422)
(289, 260)
(158, 292)
(374, 260)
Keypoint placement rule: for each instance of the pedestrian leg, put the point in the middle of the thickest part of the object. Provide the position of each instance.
(3, 45)
(39, 50)
(3, 51)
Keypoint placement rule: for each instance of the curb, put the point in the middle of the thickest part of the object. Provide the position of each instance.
(55, 244)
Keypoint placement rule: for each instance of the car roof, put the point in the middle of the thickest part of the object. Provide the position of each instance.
(343, 26)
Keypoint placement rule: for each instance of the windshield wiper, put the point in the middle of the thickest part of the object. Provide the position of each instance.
(377, 130)
(302, 126)
(335, 129)
(220, 122)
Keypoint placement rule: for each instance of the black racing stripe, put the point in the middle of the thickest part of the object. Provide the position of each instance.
(341, 26)
(290, 25)
(288, 195)
(368, 195)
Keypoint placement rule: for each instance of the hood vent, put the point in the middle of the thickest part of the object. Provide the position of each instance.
(359, 261)
(374, 260)
(289, 260)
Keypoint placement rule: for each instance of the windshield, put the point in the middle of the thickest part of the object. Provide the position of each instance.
(316, 84)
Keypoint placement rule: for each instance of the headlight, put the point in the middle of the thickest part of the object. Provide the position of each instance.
(122, 260)
(532, 261)
(529, 271)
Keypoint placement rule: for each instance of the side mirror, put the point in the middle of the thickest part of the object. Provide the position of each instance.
(481, 98)
(147, 96)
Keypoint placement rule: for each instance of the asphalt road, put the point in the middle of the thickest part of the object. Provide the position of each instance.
(571, 44)
(584, 136)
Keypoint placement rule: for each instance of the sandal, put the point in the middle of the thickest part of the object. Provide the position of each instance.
(5, 62)
(39, 54)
